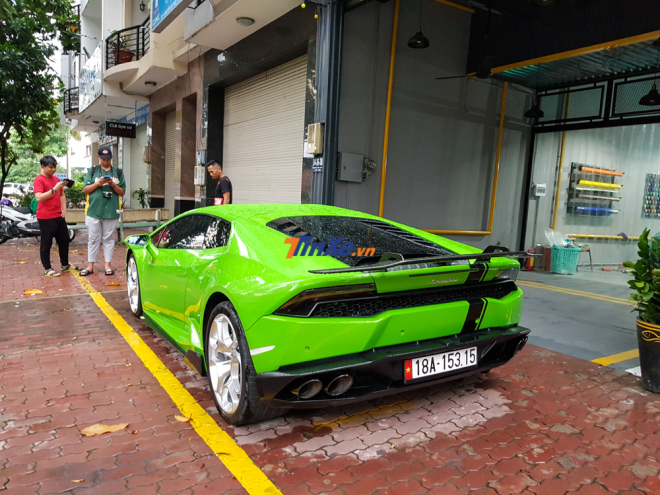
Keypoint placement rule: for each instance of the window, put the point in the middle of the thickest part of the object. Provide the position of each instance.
(195, 232)
(363, 233)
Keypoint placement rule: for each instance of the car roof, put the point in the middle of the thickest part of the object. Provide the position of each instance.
(267, 212)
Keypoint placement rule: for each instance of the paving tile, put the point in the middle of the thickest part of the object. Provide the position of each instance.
(543, 423)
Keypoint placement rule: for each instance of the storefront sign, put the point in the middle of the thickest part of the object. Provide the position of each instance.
(91, 80)
(165, 11)
(120, 129)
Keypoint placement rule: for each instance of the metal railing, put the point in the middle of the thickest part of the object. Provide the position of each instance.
(128, 44)
(70, 101)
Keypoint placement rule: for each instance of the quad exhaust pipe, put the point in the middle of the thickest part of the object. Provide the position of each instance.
(339, 385)
(308, 389)
(336, 387)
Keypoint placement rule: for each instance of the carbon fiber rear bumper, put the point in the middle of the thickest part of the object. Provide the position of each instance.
(380, 372)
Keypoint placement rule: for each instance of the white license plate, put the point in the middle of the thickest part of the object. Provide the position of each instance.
(440, 363)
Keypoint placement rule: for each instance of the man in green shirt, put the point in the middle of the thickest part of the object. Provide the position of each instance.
(104, 186)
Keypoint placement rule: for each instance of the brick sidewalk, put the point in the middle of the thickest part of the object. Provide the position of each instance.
(545, 423)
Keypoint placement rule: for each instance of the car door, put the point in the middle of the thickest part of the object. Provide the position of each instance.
(176, 248)
(204, 272)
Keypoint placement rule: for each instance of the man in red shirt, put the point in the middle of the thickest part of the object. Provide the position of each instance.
(48, 190)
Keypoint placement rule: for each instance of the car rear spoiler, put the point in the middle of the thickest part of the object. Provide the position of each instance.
(389, 260)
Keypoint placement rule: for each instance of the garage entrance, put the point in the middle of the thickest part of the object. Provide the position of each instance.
(263, 135)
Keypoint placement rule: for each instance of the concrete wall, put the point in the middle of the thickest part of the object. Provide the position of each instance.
(443, 134)
(633, 150)
(185, 96)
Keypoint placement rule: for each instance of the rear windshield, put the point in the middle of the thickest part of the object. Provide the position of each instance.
(370, 239)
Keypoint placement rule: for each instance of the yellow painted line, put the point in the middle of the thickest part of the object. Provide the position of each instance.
(617, 358)
(230, 454)
(616, 300)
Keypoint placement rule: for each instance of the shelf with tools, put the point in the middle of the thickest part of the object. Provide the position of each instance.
(651, 199)
(591, 190)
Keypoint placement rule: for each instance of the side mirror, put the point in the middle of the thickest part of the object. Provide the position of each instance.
(152, 249)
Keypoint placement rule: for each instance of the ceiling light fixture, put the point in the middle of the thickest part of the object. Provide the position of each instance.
(244, 21)
(419, 40)
(150, 83)
(535, 111)
(652, 98)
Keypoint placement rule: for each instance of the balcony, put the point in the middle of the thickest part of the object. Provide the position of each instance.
(128, 45)
(139, 62)
(70, 103)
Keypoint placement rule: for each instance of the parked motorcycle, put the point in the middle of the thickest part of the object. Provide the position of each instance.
(18, 222)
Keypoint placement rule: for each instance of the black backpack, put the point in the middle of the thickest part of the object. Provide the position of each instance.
(120, 174)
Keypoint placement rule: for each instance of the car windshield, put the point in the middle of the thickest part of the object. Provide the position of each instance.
(370, 239)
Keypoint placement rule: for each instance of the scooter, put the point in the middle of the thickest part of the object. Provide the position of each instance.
(19, 222)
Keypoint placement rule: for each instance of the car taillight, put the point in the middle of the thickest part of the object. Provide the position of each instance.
(509, 273)
(304, 303)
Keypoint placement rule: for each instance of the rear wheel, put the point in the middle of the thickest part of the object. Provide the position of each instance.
(231, 373)
(72, 235)
(4, 239)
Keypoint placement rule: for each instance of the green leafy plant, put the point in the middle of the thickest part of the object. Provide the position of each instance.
(26, 199)
(75, 195)
(646, 279)
(119, 41)
(142, 195)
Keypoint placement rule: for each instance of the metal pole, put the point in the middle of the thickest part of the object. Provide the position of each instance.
(328, 66)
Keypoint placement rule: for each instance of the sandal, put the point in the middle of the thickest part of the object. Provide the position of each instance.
(69, 268)
(51, 273)
(84, 273)
(109, 271)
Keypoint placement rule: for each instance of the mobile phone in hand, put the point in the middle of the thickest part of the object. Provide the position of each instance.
(106, 177)
(69, 183)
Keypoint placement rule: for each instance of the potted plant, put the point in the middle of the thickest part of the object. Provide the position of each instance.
(646, 284)
(142, 195)
(120, 43)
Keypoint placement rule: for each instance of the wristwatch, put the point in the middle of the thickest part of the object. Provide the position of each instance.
(53, 191)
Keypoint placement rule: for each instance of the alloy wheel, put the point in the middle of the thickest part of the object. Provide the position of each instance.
(133, 285)
(225, 364)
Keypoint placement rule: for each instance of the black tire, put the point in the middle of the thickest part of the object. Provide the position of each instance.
(4, 239)
(72, 235)
(38, 238)
(137, 308)
(250, 409)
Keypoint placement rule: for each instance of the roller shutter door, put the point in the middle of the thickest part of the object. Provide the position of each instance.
(263, 135)
(170, 137)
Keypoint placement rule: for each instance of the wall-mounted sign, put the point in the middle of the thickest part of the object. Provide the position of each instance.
(165, 11)
(138, 118)
(91, 80)
(120, 129)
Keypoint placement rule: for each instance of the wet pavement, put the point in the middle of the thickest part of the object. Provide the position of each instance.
(546, 423)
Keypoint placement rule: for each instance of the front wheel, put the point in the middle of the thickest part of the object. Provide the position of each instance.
(133, 286)
(231, 373)
(72, 235)
(4, 239)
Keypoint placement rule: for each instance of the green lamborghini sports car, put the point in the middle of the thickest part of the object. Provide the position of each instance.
(297, 306)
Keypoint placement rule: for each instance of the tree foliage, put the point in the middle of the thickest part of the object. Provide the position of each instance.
(27, 165)
(29, 30)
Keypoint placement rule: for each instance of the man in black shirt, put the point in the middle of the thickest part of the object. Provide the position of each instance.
(223, 190)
